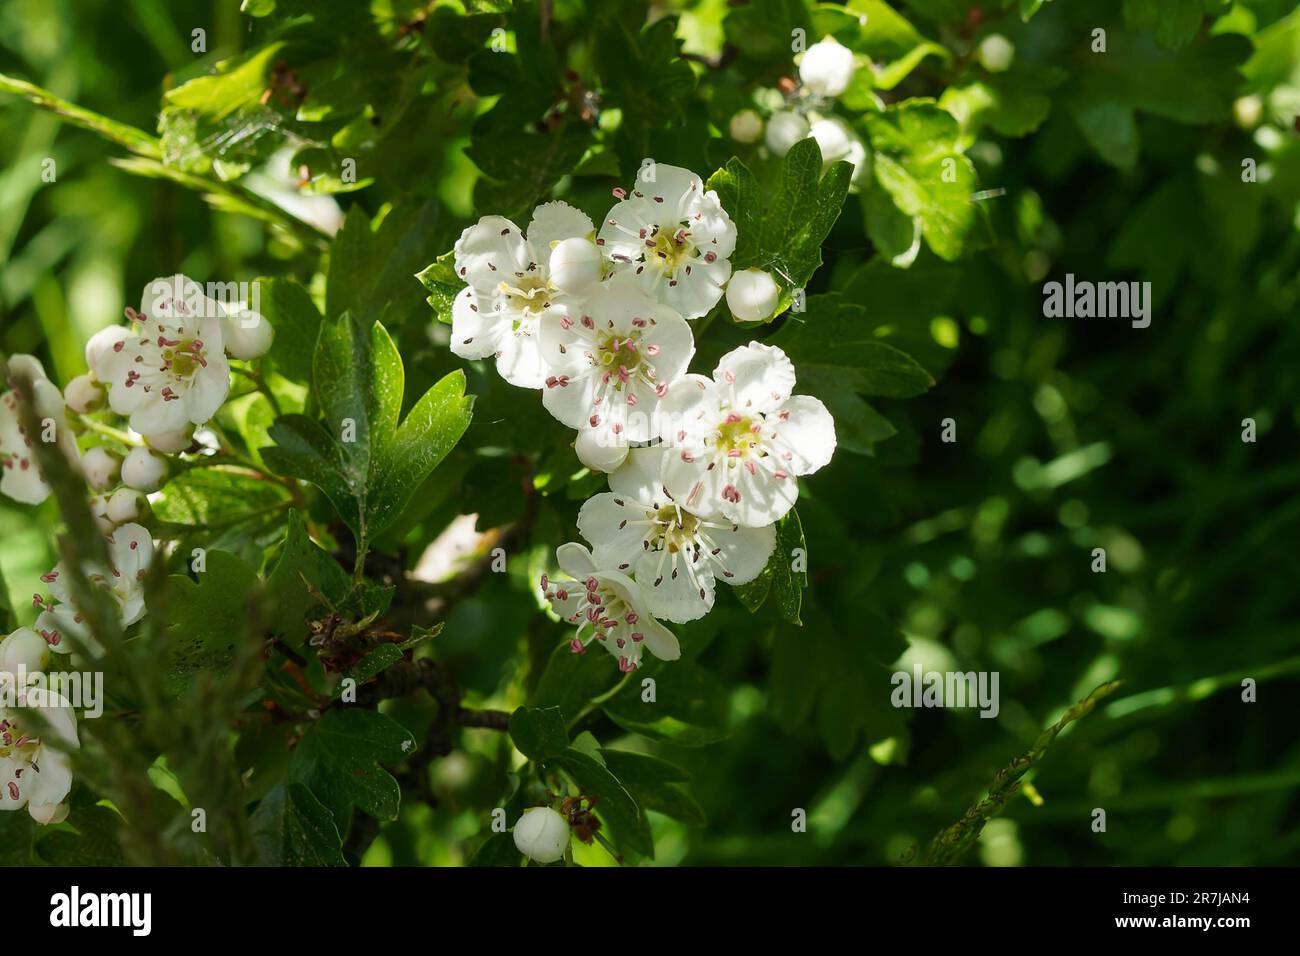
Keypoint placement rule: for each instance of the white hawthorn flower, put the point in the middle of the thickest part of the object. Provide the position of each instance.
(752, 295)
(101, 467)
(827, 68)
(608, 607)
(130, 551)
(20, 476)
(173, 371)
(675, 555)
(737, 442)
(608, 364)
(510, 288)
(674, 237)
(542, 835)
(785, 129)
(35, 771)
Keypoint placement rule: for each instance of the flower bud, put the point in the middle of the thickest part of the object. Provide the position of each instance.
(24, 649)
(84, 394)
(100, 466)
(752, 295)
(143, 471)
(125, 504)
(575, 265)
(1248, 111)
(246, 334)
(785, 129)
(995, 53)
(599, 450)
(169, 443)
(542, 835)
(827, 68)
(833, 138)
(102, 342)
(746, 127)
(99, 510)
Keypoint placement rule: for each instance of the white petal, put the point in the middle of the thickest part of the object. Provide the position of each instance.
(519, 360)
(131, 550)
(757, 377)
(208, 389)
(554, 221)
(806, 431)
(671, 592)
(490, 250)
(475, 329)
(575, 561)
(743, 552)
(616, 527)
(640, 478)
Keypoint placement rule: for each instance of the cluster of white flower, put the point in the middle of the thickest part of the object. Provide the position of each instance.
(699, 468)
(35, 769)
(166, 372)
(825, 71)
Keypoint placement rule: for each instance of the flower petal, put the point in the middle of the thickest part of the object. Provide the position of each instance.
(756, 377)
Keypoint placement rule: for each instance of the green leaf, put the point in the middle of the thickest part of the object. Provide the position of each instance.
(95, 842)
(571, 681)
(17, 836)
(371, 263)
(498, 850)
(780, 580)
(380, 659)
(215, 497)
(207, 614)
(651, 782)
(290, 827)
(917, 162)
(789, 228)
(538, 732)
(835, 336)
(689, 709)
(366, 464)
(440, 278)
(296, 320)
(892, 45)
(338, 760)
(615, 805)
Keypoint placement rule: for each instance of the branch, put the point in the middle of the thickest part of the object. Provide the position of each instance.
(952, 844)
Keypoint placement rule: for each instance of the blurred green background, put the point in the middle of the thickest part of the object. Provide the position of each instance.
(1072, 434)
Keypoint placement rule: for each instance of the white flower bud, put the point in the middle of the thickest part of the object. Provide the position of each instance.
(785, 129)
(245, 334)
(746, 127)
(143, 471)
(995, 53)
(752, 295)
(1248, 111)
(99, 509)
(84, 394)
(100, 466)
(102, 342)
(598, 450)
(542, 835)
(575, 265)
(24, 649)
(169, 443)
(48, 813)
(833, 138)
(125, 504)
(827, 68)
